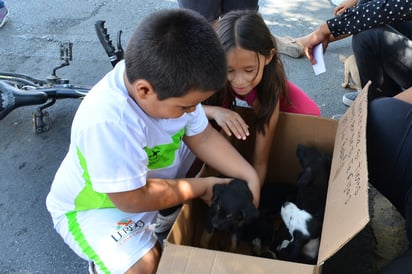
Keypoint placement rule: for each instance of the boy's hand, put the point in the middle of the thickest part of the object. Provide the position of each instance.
(207, 196)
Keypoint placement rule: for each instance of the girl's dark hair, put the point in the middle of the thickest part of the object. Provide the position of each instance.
(176, 51)
(247, 30)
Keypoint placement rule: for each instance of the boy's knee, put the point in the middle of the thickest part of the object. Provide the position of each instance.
(148, 263)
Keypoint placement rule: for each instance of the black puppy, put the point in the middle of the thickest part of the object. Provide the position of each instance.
(232, 207)
(304, 218)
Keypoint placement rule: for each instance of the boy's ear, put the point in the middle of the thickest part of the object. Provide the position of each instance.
(142, 89)
(270, 57)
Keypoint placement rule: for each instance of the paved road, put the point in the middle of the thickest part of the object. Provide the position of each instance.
(29, 44)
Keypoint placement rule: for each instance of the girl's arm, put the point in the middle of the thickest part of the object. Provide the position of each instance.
(263, 145)
(229, 120)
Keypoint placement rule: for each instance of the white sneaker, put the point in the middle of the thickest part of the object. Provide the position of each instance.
(4, 14)
(164, 223)
(349, 97)
(91, 267)
(337, 116)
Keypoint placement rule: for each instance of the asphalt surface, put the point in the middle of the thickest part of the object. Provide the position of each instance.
(28, 161)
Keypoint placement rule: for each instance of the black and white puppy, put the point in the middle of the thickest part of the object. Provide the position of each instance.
(305, 231)
(304, 218)
(262, 232)
(232, 207)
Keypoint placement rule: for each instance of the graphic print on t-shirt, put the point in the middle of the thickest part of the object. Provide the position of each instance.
(162, 156)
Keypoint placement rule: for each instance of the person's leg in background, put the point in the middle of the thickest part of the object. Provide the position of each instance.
(285, 45)
(228, 5)
(4, 13)
(213, 9)
(389, 148)
(383, 56)
(405, 28)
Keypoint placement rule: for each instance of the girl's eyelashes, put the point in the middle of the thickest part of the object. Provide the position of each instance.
(245, 70)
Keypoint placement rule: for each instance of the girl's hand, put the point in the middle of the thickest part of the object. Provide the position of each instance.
(344, 6)
(232, 123)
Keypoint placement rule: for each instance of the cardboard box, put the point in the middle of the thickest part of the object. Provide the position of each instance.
(346, 206)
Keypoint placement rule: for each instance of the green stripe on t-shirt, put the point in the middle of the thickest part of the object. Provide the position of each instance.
(88, 198)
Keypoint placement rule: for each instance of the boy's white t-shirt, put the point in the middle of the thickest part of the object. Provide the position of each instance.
(115, 147)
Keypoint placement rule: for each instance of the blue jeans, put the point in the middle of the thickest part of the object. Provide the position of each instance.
(389, 148)
(1, 4)
(383, 56)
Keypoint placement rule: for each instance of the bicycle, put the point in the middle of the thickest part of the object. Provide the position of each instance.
(19, 90)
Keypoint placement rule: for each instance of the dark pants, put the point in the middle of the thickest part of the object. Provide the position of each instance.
(389, 147)
(213, 9)
(383, 55)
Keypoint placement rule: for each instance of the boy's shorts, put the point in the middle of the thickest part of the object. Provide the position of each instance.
(213, 9)
(115, 240)
(112, 239)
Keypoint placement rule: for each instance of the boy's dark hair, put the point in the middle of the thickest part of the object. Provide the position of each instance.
(176, 50)
(247, 29)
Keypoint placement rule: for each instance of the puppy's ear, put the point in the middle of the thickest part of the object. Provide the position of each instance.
(301, 152)
(305, 176)
(250, 213)
(218, 190)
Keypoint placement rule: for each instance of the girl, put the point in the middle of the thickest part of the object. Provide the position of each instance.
(256, 78)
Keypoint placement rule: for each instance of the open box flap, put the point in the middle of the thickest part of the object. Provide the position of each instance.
(347, 202)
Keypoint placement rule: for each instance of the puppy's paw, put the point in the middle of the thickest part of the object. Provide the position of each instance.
(342, 58)
(234, 242)
(260, 251)
(205, 239)
(256, 246)
(354, 87)
(283, 245)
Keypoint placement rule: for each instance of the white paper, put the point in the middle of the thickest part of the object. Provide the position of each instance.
(319, 67)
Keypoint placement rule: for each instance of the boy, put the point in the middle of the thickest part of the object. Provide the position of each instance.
(133, 135)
